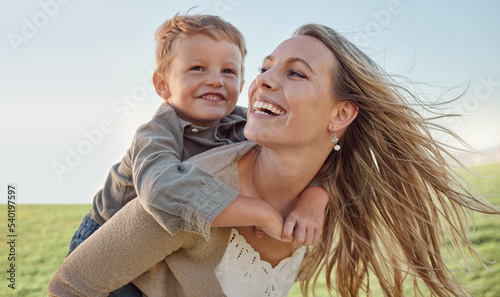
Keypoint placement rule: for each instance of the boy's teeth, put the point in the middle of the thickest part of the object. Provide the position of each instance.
(212, 97)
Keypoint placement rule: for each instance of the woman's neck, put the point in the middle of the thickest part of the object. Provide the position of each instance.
(277, 176)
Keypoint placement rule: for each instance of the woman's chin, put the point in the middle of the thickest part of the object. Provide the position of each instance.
(260, 135)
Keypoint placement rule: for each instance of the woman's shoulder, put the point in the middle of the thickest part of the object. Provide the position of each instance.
(216, 159)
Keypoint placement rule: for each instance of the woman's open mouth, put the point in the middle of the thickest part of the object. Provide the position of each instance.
(267, 108)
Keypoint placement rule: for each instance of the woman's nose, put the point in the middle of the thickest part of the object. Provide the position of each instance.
(265, 80)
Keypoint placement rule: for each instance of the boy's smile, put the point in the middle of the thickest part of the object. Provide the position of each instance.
(203, 80)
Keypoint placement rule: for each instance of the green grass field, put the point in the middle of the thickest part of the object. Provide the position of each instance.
(43, 234)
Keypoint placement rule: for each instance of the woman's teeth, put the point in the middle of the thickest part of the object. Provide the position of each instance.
(267, 108)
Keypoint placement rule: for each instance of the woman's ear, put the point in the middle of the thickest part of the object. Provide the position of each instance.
(161, 86)
(344, 113)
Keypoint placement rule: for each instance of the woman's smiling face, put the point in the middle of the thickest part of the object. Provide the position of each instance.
(291, 101)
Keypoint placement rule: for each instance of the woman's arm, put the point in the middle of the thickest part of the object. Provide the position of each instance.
(121, 250)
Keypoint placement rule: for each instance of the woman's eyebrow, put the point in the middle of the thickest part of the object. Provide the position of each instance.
(269, 57)
(300, 60)
(292, 60)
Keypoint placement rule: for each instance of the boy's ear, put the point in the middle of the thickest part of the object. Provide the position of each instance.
(241, 85)
(343, 114)
(161, 86)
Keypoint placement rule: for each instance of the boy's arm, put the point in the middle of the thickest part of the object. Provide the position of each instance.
(305, 221)
(179, 195)
(106, 261)
(246, 211)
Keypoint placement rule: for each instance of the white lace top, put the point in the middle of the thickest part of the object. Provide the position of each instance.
(241, 273)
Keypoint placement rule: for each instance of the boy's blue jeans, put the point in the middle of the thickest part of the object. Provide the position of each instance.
(87, 228)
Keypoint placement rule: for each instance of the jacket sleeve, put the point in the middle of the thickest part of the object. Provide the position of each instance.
(108, 260)
(179, 195)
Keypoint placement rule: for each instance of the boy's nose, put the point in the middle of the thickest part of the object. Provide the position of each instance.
(215, 80)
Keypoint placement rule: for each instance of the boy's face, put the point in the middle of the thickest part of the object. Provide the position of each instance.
(203, 80)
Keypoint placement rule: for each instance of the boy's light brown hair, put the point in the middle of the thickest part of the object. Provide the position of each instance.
(210, 25)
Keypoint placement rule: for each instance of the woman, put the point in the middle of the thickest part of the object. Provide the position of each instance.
(320, 108)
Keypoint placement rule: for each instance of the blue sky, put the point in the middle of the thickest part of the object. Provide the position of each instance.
(75, 76)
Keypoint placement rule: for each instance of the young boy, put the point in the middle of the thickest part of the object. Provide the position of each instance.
(199, 75)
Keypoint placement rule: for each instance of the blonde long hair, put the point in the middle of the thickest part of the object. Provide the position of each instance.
(394, 201)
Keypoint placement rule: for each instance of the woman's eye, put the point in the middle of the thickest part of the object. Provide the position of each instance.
(296, 73)
(262, 69)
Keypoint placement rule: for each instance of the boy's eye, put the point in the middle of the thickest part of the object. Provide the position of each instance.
(229, 71)
(197, 68)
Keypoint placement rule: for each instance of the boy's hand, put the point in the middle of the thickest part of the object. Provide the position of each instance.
(272, 225)
(304, 222)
